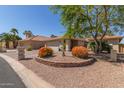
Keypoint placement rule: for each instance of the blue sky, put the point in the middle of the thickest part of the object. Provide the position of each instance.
(39, 19)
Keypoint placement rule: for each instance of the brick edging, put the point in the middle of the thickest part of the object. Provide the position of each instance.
(64, 64)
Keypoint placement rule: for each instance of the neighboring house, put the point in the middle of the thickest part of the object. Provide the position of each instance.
(114, 41)
(110, 39)
(35, 42)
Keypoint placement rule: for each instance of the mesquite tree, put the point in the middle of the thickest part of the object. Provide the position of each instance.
(90, 21)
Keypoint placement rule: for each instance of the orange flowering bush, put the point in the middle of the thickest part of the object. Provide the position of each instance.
(45, 52)
(80, 52)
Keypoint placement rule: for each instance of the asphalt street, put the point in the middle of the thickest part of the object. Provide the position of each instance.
(8, 77)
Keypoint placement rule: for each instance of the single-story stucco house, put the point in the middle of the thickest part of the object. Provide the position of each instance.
(35, 42)
(55, 42)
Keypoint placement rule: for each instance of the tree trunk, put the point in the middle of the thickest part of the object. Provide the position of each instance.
(100, 46)
(96, 46)
(14, 44)
(7, 44)
(63, 53)
(63, 48)
(1, 44)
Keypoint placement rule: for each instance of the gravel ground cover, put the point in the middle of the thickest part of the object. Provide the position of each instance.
(99, 74)
(58, 58)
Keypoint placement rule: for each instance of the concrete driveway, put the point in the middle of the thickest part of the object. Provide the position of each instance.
(8, 77)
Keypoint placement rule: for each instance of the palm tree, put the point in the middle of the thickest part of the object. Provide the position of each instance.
(14, 34)
(14, 31)
(14, 39)
(6, 37)
(11, 36)
(28, 33)
(0, 40)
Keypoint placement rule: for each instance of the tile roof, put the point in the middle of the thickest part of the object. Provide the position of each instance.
(36, 38)
(44, 38)
(108, 38)
(60, 37)
(40, 38)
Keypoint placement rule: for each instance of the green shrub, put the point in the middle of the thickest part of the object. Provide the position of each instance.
(105, 46)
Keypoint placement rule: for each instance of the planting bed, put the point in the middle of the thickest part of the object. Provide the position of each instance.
(66, 61)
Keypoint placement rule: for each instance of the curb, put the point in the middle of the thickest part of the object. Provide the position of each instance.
(29, 78)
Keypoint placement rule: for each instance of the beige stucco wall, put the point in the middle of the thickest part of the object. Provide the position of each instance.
(68, 45)
(33, 44)
(119, 48)
(37, 44)
(116, 47)
(54, 44)
(57, 43)
(24, 43)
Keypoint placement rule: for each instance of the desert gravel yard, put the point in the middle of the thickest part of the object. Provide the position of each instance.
(99, 74)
